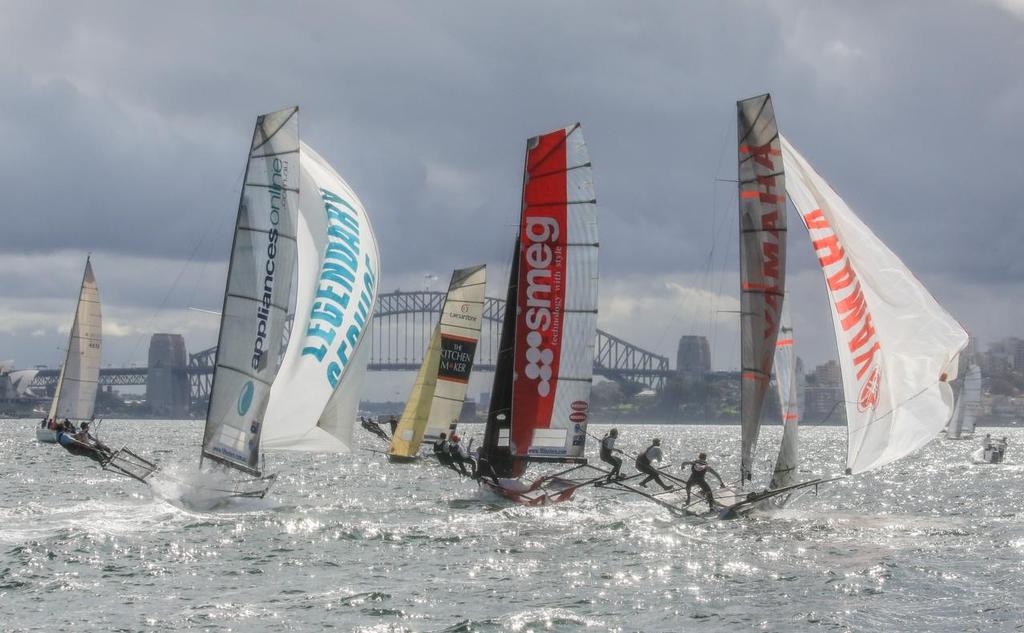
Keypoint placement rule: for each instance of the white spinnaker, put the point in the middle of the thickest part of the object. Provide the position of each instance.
(75, 396)
(315, 398)
(461, 318)
(971, 399)
(897, 345)
(256, 295)
(784, 473)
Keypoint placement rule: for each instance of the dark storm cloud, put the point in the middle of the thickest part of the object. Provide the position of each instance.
(125, 125)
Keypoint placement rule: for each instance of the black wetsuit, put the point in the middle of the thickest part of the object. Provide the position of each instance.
(441, 452)
(698, 475)
(458, 462)
(643, 464)
(374, 428)
(608, 457)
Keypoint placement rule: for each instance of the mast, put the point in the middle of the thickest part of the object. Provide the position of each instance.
(898, 348)
(256, 294)
(762, 227)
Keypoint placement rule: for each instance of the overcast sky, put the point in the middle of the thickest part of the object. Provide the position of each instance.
(125, 128)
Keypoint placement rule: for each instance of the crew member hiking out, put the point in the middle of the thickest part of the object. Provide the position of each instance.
(643, 464)
(607, 450)
(374, 428)
(460, 457)
(699, 469)
(441, 450)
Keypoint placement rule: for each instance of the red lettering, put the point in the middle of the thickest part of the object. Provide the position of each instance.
(855, 305)
(842, 277)
(861, 338)
(865, 359)
(816, 220)
(834, 252)
(770, 261)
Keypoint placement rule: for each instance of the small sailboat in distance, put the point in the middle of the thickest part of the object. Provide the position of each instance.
(75, 395)
(968, 406)
(441, 383)
(540, 400)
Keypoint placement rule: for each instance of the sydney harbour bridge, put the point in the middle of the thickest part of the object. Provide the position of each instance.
(402, 326)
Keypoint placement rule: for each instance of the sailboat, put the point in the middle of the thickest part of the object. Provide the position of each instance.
(897, 346)
(540, 399)
(968, 405)
(296, 218)
(440, 388)
(75, 395)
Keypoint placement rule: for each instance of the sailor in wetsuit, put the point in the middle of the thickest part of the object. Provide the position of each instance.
(441, 450)
(699, 469)
(460, 457)
(607, 448)
(373, 427)
(643, 464)
(393, 422)
(87, 438)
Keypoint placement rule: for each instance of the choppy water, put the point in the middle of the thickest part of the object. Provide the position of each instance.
(354, 543)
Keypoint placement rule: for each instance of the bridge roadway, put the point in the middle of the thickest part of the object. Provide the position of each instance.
(402, 326)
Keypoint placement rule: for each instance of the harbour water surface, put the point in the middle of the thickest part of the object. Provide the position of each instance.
(353, 543)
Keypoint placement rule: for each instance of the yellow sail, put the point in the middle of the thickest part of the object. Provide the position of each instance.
(409, 433)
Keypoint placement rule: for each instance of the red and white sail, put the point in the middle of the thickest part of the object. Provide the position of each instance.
(897, 346)
(762, 207)
(556, 301)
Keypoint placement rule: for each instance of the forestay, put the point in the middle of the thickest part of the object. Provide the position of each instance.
(256, 297)
(440, 389)
(897, 345)
(762, 208)
(75, 395)
(315, 399)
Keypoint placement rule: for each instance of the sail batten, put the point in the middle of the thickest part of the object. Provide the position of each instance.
(897, 345)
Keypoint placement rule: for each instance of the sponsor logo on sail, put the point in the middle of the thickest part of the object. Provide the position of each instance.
(245, 397)
(277, 192)
(345, 292)
(456, 360)
(851, 307)
(542, 258)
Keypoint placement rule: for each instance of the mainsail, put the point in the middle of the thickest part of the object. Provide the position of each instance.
(897, 345)
(440, 389)
(256, 295)
(762, 207)
(968, 403)
(75, 396)
(787, 384)
(315, 398)
(541, 395)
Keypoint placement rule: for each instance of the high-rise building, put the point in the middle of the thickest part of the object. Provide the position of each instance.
(167, 387)
(693, 358)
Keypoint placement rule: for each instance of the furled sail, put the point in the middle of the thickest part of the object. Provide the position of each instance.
(787, 384)
(541, 396)
(440, 389)
(315, 399)
(897, 345)
(762, 207)
(75, 396)
(257, 292)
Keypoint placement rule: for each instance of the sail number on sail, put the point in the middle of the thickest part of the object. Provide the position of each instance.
(333, 306)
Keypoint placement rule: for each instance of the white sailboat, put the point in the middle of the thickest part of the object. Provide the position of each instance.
(75, 395)
(968, 406)
(296, 218)
(897, 346)
(440, 389)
